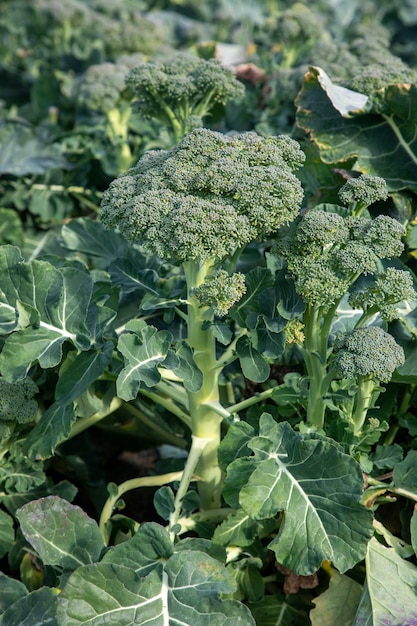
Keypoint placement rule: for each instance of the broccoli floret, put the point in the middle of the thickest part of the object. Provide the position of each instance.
(359, 193)
(296, 31)
(369, 353)
(221, 291)
(17, 403)
(182, 91)
(102, 87)
(372, 80)
(203, 199)
(326, 252)
(383, 296)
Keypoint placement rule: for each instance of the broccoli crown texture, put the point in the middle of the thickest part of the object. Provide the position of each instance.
(374, 78)
(221, 291)
(363, 191)
(385, 293)
(207, 196)
(185, 84)
(368, 352)
(326, 252)
(17, 402)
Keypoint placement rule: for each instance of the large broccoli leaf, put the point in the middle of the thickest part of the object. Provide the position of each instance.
(317, 487)
(378, 132)
(45, 305)
(146, 581)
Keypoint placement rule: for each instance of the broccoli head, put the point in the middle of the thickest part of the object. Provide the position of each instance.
(385, 294)
(296, 31)
(17, 403)
(182, 91)
(359, 193)
(208, 196)
(221, 291)
(326, 252)
(368, 353)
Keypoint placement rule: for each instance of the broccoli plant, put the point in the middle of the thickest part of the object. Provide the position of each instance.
(182, 92)
(198, 205)
(103, 104)
(327, 251)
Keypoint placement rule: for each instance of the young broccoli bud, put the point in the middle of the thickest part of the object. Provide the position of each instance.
(321, 230)
(206, 197)
(221, 291)
(359, 193)
(369, 353)
(294, 331)
(383, 235)
(385, 294)
(182, 91)
(17, 404)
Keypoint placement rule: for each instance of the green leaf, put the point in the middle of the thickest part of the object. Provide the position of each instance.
(82, 372)
(279, 610)
(6, 533)
(316, 485)
(11, 230)
(235, 443)
(337, 606)
(257, 280)
(184, 590)
(238, 529)
(185, 367)
(164, 502)
(61, 533)
(143, 350)
(90, 237)
(52, 429)
(391, 587)
(60, 298)
(348, 126)
(252, 362)
(20, 474)
(405, 473)
(133, 279)
(38, 608)
(11, 591)
(23, 153)
(386, 457)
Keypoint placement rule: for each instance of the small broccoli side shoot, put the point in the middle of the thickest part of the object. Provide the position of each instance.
(326, 253)
(18, 408)
(182, 91)
(103, 103)
(367, 356)
(359, 193)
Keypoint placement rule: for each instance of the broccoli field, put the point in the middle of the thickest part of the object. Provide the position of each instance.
(208, 313)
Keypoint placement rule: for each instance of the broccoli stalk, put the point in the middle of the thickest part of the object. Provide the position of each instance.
(198, 205)
(326, 253)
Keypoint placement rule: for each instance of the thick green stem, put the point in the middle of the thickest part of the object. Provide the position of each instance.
(314, 353)
(205, 422)
(364, 396)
